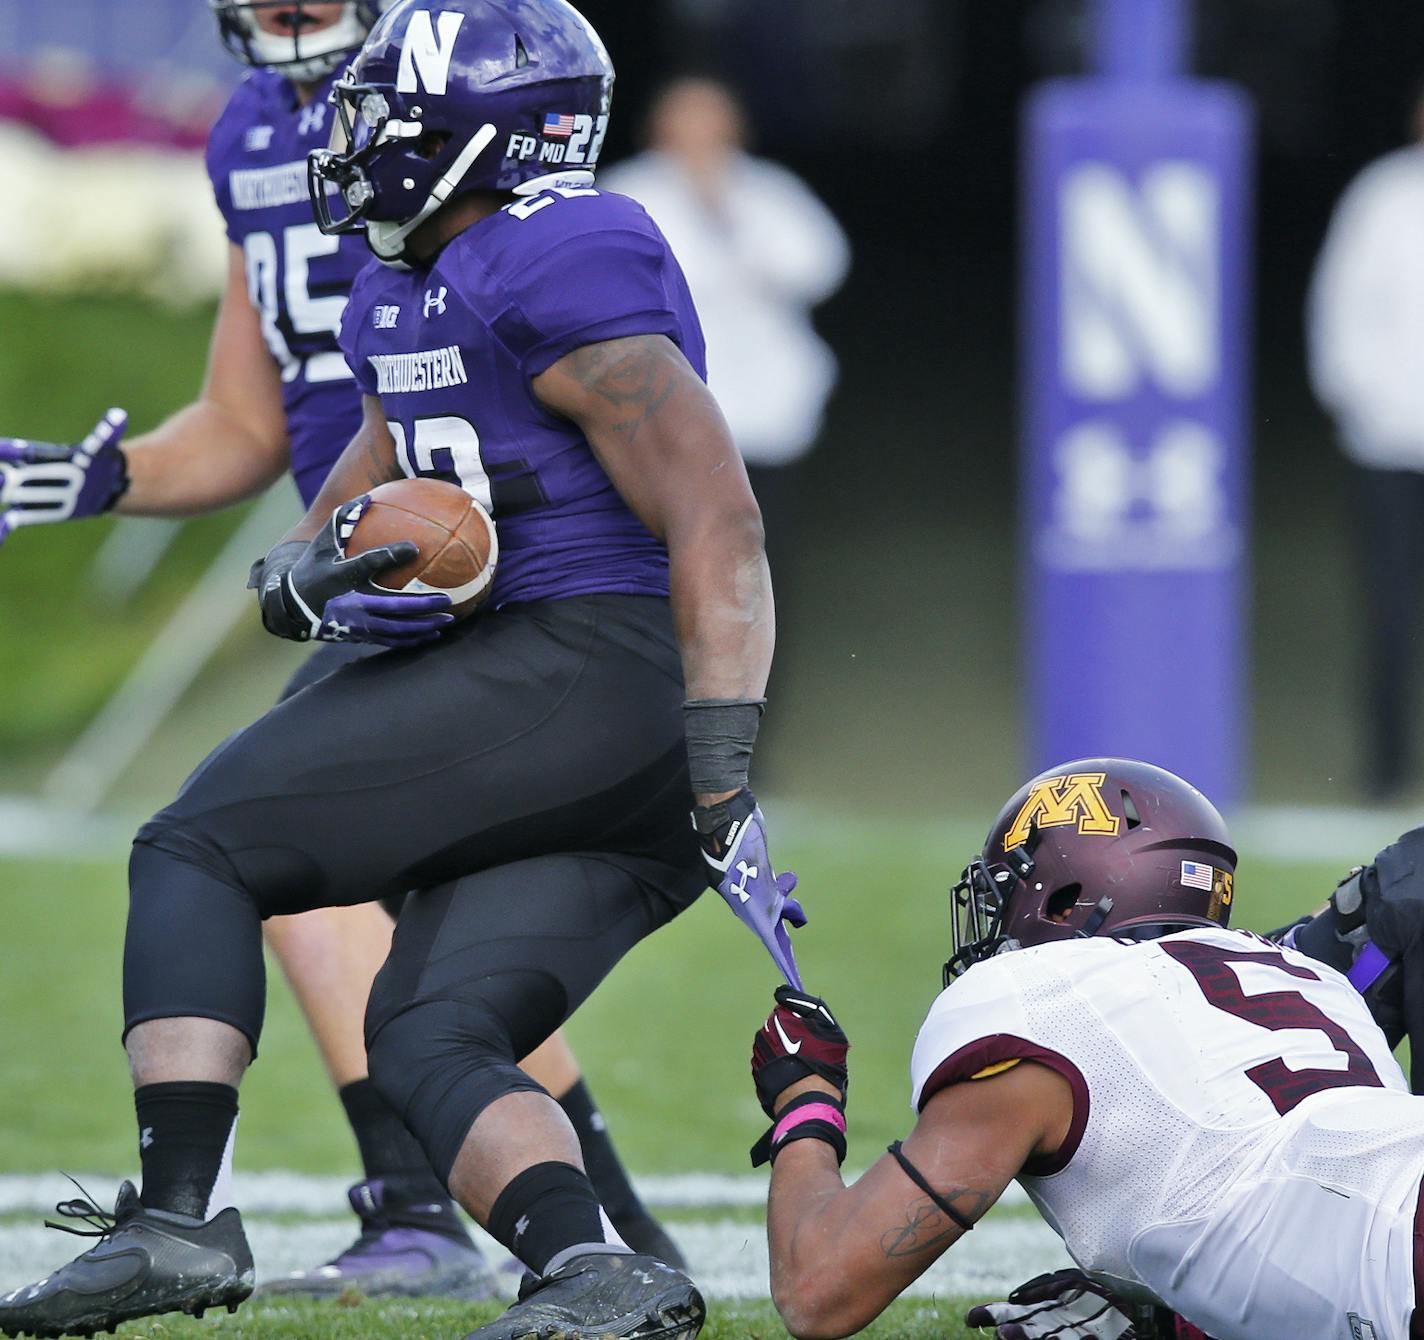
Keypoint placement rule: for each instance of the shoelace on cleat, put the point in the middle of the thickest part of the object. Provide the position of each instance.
(101, 1222)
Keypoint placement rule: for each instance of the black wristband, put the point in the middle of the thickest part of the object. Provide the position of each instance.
(721, 733)
(811, 1128)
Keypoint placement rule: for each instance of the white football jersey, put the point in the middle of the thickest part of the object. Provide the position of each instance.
(1244, 1148)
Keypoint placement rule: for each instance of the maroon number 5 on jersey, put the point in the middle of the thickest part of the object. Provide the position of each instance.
(1210, 966)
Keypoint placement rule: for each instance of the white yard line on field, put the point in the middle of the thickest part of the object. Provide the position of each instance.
(727, 1258)
(291, 1193)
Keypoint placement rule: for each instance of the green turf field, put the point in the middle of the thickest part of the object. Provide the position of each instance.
(429, 1320)
(664, 1045)
(680, 1011)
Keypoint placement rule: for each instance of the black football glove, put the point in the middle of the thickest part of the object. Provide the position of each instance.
(1067, 1305)
(312, 591)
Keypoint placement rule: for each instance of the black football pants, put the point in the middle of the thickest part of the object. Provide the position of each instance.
(528, 771)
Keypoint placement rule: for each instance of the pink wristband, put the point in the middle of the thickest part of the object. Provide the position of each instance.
(810, 1112)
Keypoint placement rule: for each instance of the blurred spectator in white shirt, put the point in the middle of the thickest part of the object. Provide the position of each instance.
(759, 251)
(1366, 336)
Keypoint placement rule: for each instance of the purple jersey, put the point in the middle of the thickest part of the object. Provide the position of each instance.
(298, 279)
(451, 352)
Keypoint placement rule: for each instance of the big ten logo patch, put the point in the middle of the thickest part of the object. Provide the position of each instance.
(1057, 802)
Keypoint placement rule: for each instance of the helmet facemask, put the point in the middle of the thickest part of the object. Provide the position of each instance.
(977, 906)
(373, 123)
(300, 56)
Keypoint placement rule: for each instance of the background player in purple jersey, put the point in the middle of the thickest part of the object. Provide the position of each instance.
(280, 396)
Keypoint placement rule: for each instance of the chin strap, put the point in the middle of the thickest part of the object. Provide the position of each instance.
(388, 241)
(1096, 917)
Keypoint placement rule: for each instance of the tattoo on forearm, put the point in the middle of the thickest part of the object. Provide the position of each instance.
(634, 376)
(380, 467)
(927, 1226)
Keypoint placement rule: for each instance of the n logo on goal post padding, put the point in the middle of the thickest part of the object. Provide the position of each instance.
(1135, 380)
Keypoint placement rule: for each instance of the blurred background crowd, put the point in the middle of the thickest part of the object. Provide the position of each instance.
(880, 201)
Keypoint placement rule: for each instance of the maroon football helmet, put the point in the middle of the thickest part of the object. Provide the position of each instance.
(1101, 846)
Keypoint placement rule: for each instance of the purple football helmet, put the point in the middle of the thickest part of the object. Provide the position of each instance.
(302, 55)
(1101, 846)
(452, 96)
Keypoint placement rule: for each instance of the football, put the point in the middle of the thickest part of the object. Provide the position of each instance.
(458, 545)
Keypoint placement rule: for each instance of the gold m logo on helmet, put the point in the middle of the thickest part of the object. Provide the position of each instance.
(1058, 801)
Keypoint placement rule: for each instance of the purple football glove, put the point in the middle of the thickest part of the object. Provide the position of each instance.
(42, 482)
(733, 837)
(311, 592)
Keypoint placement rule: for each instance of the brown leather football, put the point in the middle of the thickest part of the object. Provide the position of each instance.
(458, 545)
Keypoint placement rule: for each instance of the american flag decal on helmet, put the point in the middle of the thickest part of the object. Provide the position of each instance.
(558, 127)
(1195, 875)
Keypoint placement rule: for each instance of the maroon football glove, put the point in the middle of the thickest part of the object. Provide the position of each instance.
(800, 1038)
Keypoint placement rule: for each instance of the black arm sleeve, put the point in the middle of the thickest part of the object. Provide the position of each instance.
(1394, 903)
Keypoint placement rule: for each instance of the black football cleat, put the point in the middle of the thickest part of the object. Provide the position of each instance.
(647, 1237)
(603, 1296)
(145, 1262)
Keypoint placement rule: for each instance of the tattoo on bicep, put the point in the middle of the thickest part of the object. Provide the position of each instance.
(927, 1226)
(634, 377)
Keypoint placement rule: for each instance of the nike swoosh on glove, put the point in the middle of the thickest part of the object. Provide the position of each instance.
(313, 592)
(1064, 1305)
(800, 1037)
(44, 482)
(733, 838)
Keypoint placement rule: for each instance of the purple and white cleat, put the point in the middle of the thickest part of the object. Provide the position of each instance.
(406, 1249)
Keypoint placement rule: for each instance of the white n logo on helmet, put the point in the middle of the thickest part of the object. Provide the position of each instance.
(425, 58)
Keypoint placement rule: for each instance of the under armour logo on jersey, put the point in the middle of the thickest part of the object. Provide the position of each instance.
(435, 302)
(145, 1138)
(740, 887)
(258, 138)
(425, 58)
(313, 118)
(337, 632)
